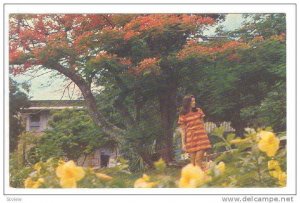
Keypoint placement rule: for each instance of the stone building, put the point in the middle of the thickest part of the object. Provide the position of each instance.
(36, 119)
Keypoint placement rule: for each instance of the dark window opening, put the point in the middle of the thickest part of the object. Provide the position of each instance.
(34, 122)
(104, 160)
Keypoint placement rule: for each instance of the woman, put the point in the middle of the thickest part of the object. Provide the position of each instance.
(194, 137)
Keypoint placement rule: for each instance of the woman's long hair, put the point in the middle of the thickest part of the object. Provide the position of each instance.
(186, 104)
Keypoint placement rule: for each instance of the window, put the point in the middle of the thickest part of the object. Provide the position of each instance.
(104, 160)
(34, 122)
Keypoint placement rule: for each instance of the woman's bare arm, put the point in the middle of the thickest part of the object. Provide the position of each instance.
(201, 112)
(182, 132)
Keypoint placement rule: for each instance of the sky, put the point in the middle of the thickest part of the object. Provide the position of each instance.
(48, 85)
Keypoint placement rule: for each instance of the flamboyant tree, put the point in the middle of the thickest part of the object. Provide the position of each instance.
(127, 50)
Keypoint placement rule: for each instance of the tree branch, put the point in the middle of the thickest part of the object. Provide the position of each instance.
(65, 90)
(90, 101)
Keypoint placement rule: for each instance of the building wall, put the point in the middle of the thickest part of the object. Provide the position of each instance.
(45, 117)
(92, 160)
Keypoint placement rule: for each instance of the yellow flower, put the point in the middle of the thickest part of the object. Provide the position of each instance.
(220, 168)
(192, 177)
(236, 141)
(225, 184)
(37, 167)
(240, 140)
(60, 162)
(103, 176)
(143, 182)
(282, 179)
(29, 183)
(275, 173)
(209, 165)
(68, 183)
(275, 170)
(160, 165)
(268, 143)
(69, 174)
(50, 160)
(273, 165)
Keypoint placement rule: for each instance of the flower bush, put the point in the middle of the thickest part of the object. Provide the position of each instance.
(268, 143)
(64, 174)
(144, 182)
(193, 176)
(69, 174)
(256, 160)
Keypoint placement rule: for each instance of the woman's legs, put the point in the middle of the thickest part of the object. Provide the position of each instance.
(199, 158)
(193, 158)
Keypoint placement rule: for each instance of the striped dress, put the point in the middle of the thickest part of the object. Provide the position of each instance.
(196, 137)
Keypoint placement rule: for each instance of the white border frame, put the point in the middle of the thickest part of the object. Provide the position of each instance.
(290, 11)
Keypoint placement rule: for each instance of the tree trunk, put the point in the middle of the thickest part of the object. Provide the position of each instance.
(238, 125)
(90, 101)
(167, 103)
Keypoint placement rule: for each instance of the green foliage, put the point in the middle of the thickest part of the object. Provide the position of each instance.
(244, 91)
(17, 99)
(222, 142)
(115, 177)
(21, 160)
(26, 147)
(242, 166)
(139, 141)
(72, 134)
(262, 25)
(17, 171)
(160, 165)
(265, 97)
(246, 165)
